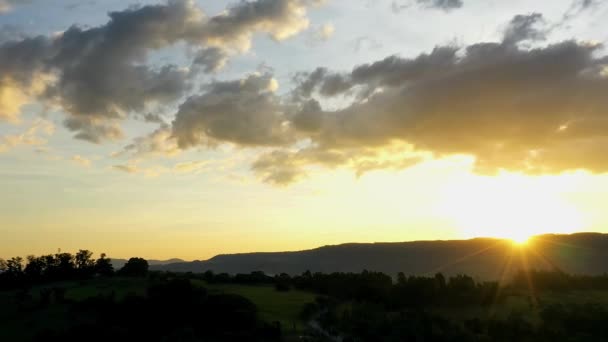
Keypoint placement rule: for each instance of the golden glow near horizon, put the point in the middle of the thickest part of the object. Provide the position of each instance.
(512, 206)
(440, 199)
(436, 200)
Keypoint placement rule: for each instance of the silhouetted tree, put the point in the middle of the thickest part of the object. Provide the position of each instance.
(135, 267)
(84, 263)
(14, 266)
(35, 268)
(440, 280)
(282, 282)
(103, 266)
(208, 276)
(64, 266)
(3, 265)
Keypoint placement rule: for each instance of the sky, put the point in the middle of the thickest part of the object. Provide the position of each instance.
(191, 128)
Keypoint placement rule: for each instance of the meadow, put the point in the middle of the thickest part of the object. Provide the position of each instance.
(20, 318)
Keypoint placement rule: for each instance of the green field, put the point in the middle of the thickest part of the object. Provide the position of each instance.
(273, 306)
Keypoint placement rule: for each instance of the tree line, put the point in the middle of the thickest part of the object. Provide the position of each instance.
(17, 272)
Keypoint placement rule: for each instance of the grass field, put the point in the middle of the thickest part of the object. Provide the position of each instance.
(273, 306)
(283, 307)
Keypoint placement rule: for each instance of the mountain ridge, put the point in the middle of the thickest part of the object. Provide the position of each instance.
(484, 258)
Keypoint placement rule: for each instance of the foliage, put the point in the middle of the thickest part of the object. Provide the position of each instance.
(52, 267)
(135, 267)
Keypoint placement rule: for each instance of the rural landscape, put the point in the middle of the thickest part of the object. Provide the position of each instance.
(67, 296)
(304, 170)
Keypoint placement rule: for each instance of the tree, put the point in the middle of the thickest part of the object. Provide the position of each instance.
(103, 266)
(64, 265)
(440, 281)
(84, 263)
(14, 266)
(3, 265)
(35, 267)
(135, 267)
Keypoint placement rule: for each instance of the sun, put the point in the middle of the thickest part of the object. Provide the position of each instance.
(508, 206)
(520, 240)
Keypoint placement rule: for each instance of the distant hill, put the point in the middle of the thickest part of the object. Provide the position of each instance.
(119, 263)
(484, 258)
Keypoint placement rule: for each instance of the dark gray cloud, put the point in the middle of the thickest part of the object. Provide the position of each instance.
(210, 59)
(100, 75)
(279, 18)
(92, 129)
(391, 71)
(22, 60)
(445, 5)
(21, 64)
(244, 112)
(577, 7)
(525, 27)
(153, 117)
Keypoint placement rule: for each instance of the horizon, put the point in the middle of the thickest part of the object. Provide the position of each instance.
(516, 244)
(191, 128)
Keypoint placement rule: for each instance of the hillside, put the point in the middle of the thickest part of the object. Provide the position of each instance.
(484, 258)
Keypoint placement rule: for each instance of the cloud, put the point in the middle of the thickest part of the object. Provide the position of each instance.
(577, 7)
(445, 5)
(84, 162)
(524, 27)
(510, 106)
(128, 168)
(536, 110)
(134, 169)
(279, 168)
(35, 135)
(11, 32)
(210, 59)
(158, 143)
(94, 129)
(245, 112)
(391, 71)
(101, 75)
(280, 19)
(191, 166)
(283, 167)
(22, 74)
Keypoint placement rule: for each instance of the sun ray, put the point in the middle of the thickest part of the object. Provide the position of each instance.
(466, 257)
(506, 270)
(523, 255)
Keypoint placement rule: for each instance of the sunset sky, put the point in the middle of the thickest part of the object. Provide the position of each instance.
(188, 128)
